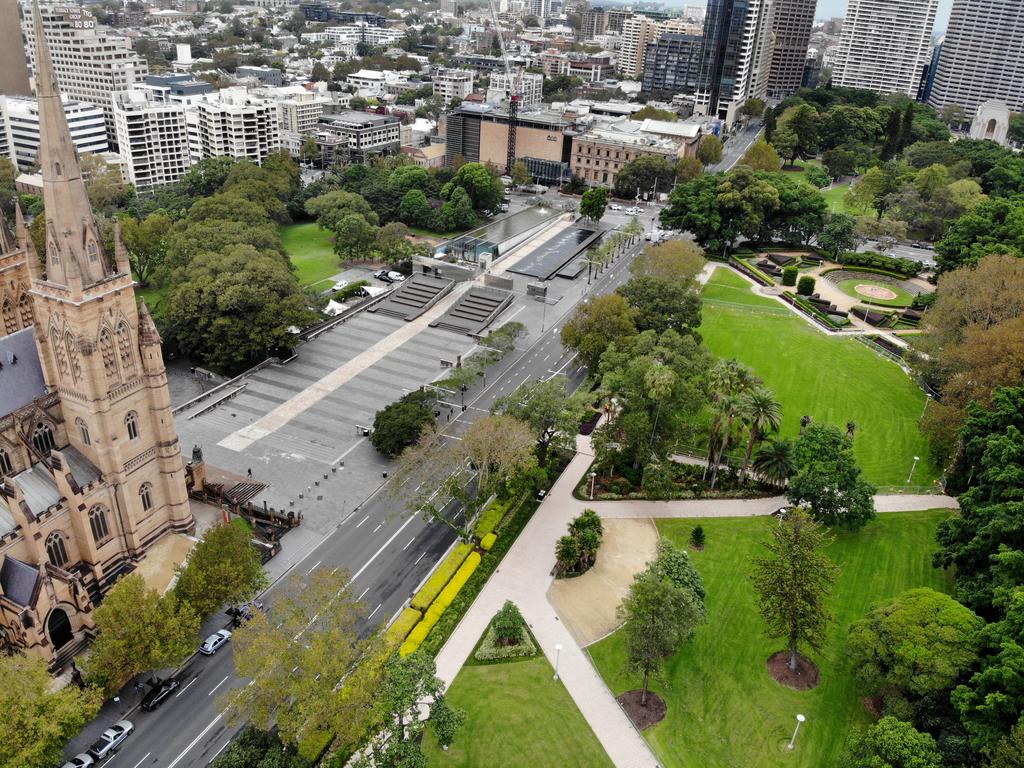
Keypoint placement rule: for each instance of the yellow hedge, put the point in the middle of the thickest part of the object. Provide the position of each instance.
(403, 625)
(442, 576)
(437, 607)
(488, 541)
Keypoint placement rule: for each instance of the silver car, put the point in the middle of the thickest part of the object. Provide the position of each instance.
(80, 760)
(214, 641)
(111, 739)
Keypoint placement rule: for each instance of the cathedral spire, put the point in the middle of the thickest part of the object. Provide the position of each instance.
(74, 253)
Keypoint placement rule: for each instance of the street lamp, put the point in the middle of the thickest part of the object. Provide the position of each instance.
(799, 720)
(912, 468)
(558, 653)
(593, 475)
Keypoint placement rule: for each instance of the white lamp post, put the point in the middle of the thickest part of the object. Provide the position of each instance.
(593, 476)
(558, 653)
(799, 721)
(912, 468)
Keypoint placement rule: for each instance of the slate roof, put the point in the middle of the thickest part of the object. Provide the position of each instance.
(18, 581)
(39, 488)
(21, 382)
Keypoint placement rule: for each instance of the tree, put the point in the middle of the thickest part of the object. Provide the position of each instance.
(891, 743)
(728, 382)
(147, 242)
(310, 667)
(39, 721)
(786, 143)
(355, 237)
(595, 324)
(400, 424)
(1009, 753)
(762, 157)
(485, 191)
(689, 168)
(746, 200)
(549, 409)
(752, 107)
(645, 175)
(838, 236)
(106, 189)
(817, 176)
(673, 563)
(884, 233)
(593, 203)
(657, 618)
(846, 159)
(693, 207)
(774, 462)
(330, 209)
(678, 261)
(414, 209)
(651, 112)
(1016, 130)
(709, 152)
(873, 192)
(138, 631)
(990, 702)
(828, 480)
(521, 175)
(762, 414)
(263, 749)
(206, 177)
(793, 581)
(509, 624)
(223, 568)
(994, 227)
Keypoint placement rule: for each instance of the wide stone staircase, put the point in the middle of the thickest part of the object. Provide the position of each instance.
(474, 310)
(415, 296)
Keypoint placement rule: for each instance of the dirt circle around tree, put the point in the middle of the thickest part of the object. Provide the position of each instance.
(804, 678)
(875, 292)
(643, 717)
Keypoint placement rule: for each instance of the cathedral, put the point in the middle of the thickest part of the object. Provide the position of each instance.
(91, 472)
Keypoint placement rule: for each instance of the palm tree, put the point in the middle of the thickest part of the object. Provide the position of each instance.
(763, 415)
(726, 383)
(727, 413)
(774, 461)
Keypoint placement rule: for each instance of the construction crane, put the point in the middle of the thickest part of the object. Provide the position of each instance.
(514, 92)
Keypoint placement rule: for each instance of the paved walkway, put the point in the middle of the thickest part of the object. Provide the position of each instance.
(525, 578)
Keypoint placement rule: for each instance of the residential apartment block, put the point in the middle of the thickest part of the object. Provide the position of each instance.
(453, 84)
(637, 33)
(672, 64)
(152, 139)
(531, 88)
(233, 123)
(358, 136)
(19, 124)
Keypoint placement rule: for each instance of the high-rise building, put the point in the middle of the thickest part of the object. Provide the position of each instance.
(736, 55)
(982, 57)
(885, 45)
(792, 31)
(637, 33)
(594, 23)
(91, 64)
(152, 139)
(300, 112)
(13, 64)
(531, 88)
(235, 124)
(453, 84)
(19, 120)
(672, 64)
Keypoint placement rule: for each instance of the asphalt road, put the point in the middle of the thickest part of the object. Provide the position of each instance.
(386, 552)
(904, 251)
(736, 146)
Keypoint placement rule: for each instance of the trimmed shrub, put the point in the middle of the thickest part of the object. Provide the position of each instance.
(490, 518)
(789, 275)
(491, 650)
(403, 625)
(805, 286)
(458, 580)
(441, 577)
(508, 624)
(818, 176)
(697, 537)
(905, 267)
(488, 541)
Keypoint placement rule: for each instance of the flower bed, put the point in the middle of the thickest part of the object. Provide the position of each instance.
(490, 650)
(690, 485)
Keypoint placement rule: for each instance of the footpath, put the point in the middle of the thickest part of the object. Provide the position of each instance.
(525, 577)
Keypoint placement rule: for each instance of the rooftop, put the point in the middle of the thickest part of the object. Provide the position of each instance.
(21, 375)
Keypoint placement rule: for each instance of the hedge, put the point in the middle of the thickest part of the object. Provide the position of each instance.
(403, 625)
(789, 275)
(442, 576)
(906, 267)
(488, 541)
(489, 650)
(805, 286)
(437, 608)
(490, 518)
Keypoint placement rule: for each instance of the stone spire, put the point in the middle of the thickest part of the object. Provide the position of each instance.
(74, 253)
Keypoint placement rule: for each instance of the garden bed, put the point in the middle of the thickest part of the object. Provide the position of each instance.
(688, 479)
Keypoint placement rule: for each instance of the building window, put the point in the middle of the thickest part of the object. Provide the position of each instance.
(98, 524)
(124, 347)
(146, 496)
(42, 438)
(131, 422)
(108, 354)
(83, 430)
(6, 465)
(91, 249)
(56, 550)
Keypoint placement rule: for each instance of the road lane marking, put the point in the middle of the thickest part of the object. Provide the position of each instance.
(195, 741)
(218, 685)
(410, 542)
(363, 594)
(313, 568)
(420, 558)
(362, 521)
(215, 754)
(384, 546)
(373, 612)
(379, 526)
(186, 687)
(142, 760)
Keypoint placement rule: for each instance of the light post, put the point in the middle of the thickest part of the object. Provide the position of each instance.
(799, 720)
(593, 476)
(912, 468)
(927, 399)
(558, 653)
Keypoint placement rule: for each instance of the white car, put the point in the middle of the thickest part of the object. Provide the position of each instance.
(340, 285)
(111, 739)
(615, 207)
(214, 641)
(81, 760)
(396, 276)
(634, 211)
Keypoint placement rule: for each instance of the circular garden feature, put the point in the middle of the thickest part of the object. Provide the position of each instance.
(877, 289)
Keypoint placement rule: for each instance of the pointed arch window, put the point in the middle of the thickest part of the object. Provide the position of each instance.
(146, 496)
(91, 250)
(42, 438)
(10, 319)
(131, 423)
(56, 549)
(83, 431)
(108, 354)
(58, 354)
(124, 347)
(73, 362)
(54, 256)
(6, 465)
(25, 310)
(98, 524)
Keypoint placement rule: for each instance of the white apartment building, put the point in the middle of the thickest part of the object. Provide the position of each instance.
(355, 33)
(233, 123)
(367, 82)
(300, 112)
(19, 123)
(91, 64)
(885, 45)
(637, 33)
(982, 56)
(152, 139)
(531, 88)
(453, 84)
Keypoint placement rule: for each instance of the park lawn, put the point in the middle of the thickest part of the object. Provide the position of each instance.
(723, 708)
(831, 379)
(517, 716)
(849, 287)
(311, 251)
(836, 198)
(154, 297)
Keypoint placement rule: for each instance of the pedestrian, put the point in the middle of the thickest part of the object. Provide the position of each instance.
(250, 471)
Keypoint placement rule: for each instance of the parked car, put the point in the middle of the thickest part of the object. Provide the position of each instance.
(80, 760)
(158, 693)
(111, 739)
(396, 277)
(214, 641)
(242, 613)
(340, 285)
(382, 275)
(615, 207)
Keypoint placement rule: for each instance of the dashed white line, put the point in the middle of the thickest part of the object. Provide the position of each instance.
(218, 685)
(410, 543)
(142, 760)
(313, 568)
(186, 687)
(363, 594)
(215, 754)
(362, 521)
(194, 742)
(379, 526)
(420, 558)
(373, 612)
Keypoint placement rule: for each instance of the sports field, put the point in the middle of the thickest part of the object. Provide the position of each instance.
(724, 710)
(831, 379)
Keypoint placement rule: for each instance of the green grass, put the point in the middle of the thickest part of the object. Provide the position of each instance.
(835, 380)
(849, 287)
(516, 717)
(835, 198)
(154, 297)
(311, 251)
(723, 708)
